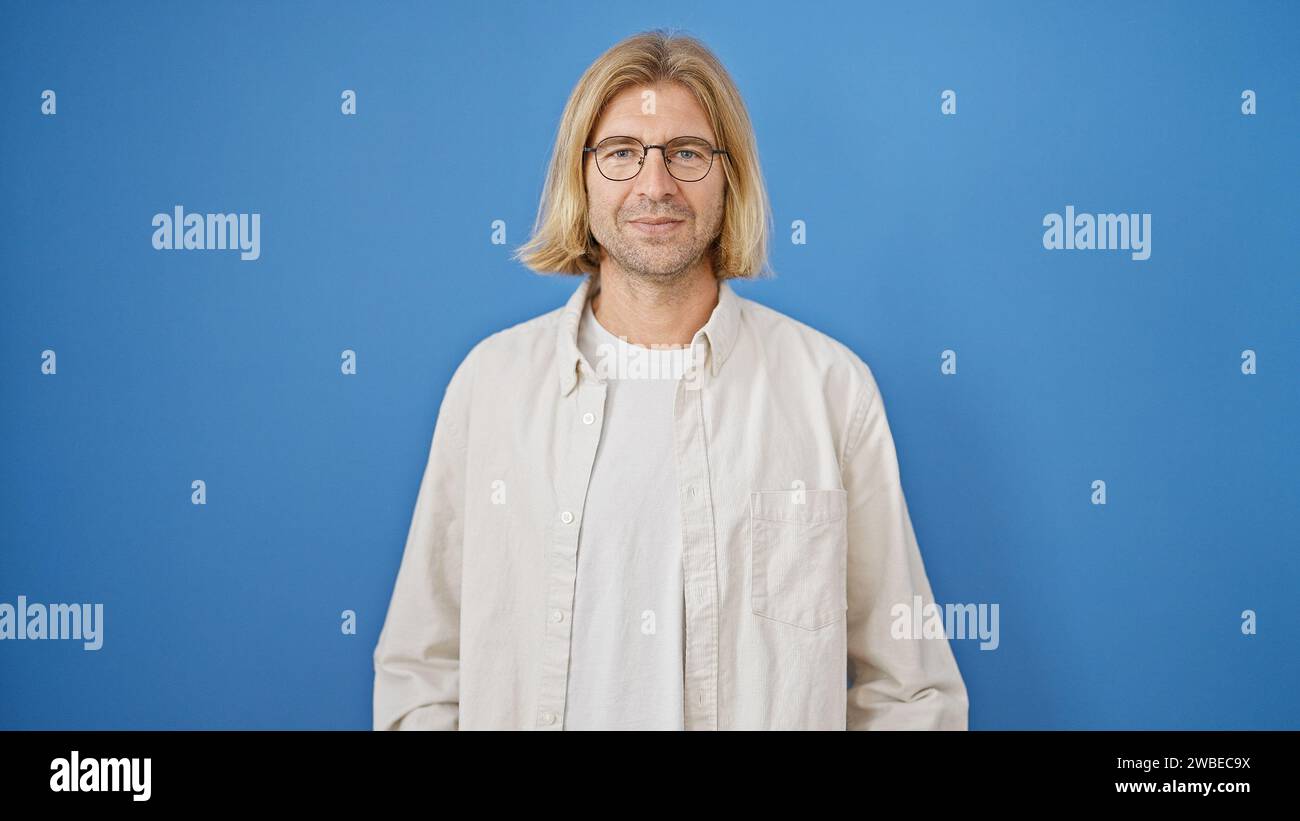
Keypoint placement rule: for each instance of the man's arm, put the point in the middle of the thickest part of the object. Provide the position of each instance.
(417, 657)
(898, 683)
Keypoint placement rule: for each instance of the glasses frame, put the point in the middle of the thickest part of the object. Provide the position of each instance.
(663, 152)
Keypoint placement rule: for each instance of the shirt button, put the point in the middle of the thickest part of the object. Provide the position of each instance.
(588, 418)
(548, 717)
(557, 615)
(566, 517)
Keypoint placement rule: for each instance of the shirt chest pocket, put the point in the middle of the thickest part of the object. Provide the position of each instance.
(798, 549)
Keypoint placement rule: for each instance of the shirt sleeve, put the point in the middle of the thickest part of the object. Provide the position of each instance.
(904, 682)
(417, 657)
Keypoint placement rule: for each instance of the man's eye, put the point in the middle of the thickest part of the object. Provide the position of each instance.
(686, 151)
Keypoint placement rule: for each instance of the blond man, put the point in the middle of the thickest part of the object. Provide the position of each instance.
(662, 505)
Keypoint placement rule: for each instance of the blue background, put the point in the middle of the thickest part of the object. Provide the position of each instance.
(924, 233)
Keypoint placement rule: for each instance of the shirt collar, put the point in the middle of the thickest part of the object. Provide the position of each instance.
(718, 334)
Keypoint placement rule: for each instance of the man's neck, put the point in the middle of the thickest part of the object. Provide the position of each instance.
(649, 313)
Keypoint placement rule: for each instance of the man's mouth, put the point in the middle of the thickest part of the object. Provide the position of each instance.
(654, 226)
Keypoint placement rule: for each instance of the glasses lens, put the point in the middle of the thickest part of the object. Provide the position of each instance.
(619, 158)
(688, 158)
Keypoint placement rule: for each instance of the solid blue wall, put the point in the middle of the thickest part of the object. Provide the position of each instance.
(925, 233)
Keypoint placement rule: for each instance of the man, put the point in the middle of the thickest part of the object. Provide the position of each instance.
(661, 506)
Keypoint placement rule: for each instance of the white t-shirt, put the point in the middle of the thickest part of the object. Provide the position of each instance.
(626, 662)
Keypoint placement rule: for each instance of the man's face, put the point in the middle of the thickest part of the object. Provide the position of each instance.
(661, 252)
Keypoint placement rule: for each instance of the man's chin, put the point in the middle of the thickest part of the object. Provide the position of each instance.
(639, 265)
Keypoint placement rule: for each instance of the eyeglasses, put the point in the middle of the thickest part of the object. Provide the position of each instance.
(621, 158)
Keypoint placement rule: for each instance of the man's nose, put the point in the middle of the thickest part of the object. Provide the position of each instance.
(654, 179)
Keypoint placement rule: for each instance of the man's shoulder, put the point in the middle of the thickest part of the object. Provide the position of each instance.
(817, 362)
(524, 341)
(798, 343)
(515, 355)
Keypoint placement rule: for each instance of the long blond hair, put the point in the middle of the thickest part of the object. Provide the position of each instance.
(562, 242)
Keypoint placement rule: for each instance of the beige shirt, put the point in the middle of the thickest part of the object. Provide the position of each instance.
(796, 540)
